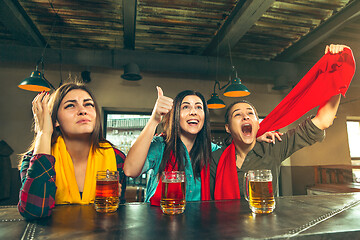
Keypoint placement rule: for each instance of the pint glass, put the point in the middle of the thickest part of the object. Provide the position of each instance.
(259, 191)
(107, 191)
(173, 192)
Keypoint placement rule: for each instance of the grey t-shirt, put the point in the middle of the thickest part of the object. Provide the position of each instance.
(269, 156)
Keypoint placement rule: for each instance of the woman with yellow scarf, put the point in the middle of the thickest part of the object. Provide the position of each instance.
(67, 151)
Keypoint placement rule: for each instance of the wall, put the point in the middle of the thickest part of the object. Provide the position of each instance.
(111, 92)
(334, 150)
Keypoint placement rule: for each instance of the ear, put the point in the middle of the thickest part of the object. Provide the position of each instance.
(57, 123)
(227, 128)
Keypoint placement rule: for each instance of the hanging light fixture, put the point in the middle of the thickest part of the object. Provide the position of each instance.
(37, 81)
(215, 102)
(131, 72)
(234, 88)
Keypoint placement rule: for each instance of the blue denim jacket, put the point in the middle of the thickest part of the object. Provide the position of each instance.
(152, 164)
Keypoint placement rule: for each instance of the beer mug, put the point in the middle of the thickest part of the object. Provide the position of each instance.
(173, 192)
(259, 191)
(107, 191)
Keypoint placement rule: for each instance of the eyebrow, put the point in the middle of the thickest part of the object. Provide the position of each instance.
(189, 103)
(72, 100)
(249, 108)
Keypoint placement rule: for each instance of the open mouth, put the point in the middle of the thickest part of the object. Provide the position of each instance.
(192, 122)
(246, 129)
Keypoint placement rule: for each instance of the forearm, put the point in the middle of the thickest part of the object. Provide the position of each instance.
(37, 194)
(43, 143)
(327, 112)
(136, 157)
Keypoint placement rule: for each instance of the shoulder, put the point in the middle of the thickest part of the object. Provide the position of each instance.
(119, 153)
(217, 154)
(214, 147)
(158, 139)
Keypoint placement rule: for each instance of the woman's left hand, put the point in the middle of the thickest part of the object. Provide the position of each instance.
(335, 48)
(270, 137)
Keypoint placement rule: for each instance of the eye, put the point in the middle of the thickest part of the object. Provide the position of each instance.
(69, 106)
(199, 107)
(89, 104)
(185, 107)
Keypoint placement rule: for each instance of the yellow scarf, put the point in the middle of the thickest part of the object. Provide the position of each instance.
(67, 189)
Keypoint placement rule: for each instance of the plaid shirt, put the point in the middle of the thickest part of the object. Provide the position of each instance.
(37, 194)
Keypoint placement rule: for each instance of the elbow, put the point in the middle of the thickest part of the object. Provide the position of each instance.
(129, 173)
(326, 124)
(29, 215)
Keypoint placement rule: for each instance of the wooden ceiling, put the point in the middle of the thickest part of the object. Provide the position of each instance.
(256, 30)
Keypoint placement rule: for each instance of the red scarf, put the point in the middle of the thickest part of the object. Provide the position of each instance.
(226, 181)
(172, 166)
(330, 76)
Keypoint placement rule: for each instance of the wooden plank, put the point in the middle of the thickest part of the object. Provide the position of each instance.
(321, 33)
(13, 16)
(238, 23)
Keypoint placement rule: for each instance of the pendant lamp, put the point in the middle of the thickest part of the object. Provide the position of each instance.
(234, 88)
(36, 82)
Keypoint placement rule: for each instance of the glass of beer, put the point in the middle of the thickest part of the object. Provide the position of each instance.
(173, 192)
(259, 191)
(107, 191)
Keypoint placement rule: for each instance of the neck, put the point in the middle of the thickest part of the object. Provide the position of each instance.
(188, 141)
(242, 149)
(78, 148)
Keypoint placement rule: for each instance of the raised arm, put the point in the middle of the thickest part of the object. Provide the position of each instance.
(43, 124)
(37, 193)
(136, 157)
(326, 113)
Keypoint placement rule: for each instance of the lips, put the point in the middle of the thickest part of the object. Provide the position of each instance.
(246, 129)
(83, 121)
(192, 121)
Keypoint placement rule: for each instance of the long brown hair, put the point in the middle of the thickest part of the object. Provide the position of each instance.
(201, 151)
(54, 103)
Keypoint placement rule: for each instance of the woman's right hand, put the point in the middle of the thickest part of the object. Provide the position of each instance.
(41, 112)
(162, 106)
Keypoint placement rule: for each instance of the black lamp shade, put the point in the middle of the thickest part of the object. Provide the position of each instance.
(215, 102)
(131, 72)
(236, 89)
(35, 83)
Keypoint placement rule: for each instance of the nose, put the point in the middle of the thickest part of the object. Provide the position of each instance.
(245, 117)
(193, 111)
(82, 111)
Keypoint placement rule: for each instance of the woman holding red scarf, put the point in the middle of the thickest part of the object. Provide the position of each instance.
(184, 146)
(322, 87)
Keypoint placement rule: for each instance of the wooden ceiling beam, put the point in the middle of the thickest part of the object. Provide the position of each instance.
(129, 14)
(241, 19)
(161, 63)
(321, 33)
(15, 19)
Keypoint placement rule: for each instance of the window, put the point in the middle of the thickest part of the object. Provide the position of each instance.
(122, 129)
(353, 130)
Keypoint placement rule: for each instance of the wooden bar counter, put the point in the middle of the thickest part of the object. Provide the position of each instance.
(334, 216)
